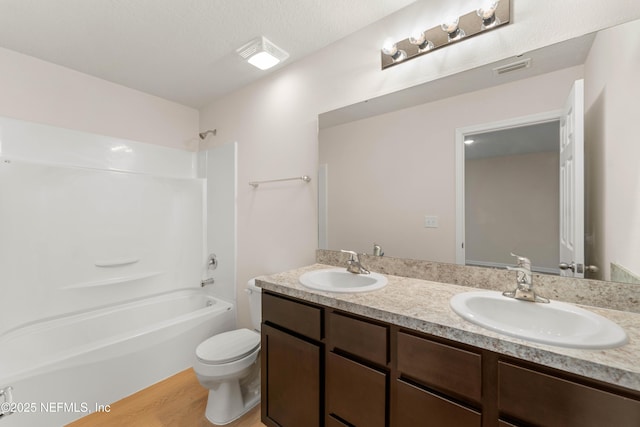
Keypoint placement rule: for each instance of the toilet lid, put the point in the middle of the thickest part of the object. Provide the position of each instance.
(228, 346)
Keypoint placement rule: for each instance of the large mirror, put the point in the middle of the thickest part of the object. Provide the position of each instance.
(389, 172)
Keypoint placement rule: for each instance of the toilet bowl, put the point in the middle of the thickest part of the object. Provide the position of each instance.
(228, 364)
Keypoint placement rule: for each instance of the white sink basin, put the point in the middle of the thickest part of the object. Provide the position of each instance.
(555, 323)
(340, 280)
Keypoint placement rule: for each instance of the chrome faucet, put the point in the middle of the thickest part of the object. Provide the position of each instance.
(209, 281)
(524, 289)
(353, 264)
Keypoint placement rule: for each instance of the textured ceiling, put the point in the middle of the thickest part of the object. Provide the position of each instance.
(182, 50)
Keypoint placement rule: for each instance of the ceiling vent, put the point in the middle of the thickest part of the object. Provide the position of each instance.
(518, 65)
(261, 53)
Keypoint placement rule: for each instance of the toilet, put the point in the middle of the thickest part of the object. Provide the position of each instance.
(228, 364)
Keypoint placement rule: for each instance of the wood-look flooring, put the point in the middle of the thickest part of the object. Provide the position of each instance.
(178, 401)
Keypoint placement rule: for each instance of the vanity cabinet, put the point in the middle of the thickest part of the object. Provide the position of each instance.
(291, 363)
(326, 367)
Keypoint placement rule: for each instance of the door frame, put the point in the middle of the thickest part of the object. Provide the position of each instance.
(572, 187)
(532, 119)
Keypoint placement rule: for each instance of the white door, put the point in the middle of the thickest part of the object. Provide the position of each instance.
(572, 184)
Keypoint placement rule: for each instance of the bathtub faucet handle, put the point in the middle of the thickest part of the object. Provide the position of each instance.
(212, 262)
(209, 281)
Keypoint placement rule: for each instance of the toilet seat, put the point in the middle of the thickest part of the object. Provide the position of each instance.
(228, 346)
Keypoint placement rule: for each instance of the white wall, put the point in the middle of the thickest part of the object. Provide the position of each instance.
(512, 205)
(275, 119)
(612, 150)
(43, 92)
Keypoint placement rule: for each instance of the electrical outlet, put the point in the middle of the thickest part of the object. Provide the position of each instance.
(430, 221)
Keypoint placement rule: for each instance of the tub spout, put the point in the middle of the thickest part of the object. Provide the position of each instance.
(209, 281)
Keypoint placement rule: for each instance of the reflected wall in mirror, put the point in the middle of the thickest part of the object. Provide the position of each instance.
(384, 169)
(511, 194)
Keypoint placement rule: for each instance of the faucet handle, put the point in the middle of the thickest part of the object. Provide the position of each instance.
(353, 256)
(522, 261)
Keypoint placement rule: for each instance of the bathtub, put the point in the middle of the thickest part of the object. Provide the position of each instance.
(63, 368)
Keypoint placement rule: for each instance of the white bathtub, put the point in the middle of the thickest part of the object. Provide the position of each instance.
(63, 368)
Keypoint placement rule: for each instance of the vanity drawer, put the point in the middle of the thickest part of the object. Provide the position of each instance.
(294, 316)
(441, 366)
(358, 337)
(535, 397)
(416, 407)
(355, 393)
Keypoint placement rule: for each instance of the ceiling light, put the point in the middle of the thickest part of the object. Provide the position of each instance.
(469, 141)
(261, 53)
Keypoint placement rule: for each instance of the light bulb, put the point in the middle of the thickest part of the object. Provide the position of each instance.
(390, 48)
(488, 13)
(419, 39)
(488, 8)
(450, 26)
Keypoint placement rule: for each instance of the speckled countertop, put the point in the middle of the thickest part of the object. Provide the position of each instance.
(423, 306)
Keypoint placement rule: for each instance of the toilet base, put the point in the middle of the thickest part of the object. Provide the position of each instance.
(221, 411)
(230, 400)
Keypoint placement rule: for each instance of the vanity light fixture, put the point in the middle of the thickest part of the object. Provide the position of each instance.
(489, 15)
(261, 53)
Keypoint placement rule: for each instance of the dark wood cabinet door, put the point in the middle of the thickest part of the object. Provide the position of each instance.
(417, 407)
(303, 319)
(450, 370)
(291, 380)
(356, 393)
(541, 399)
(358, 337)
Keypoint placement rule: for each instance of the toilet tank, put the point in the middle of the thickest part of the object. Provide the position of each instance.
(255, 303)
